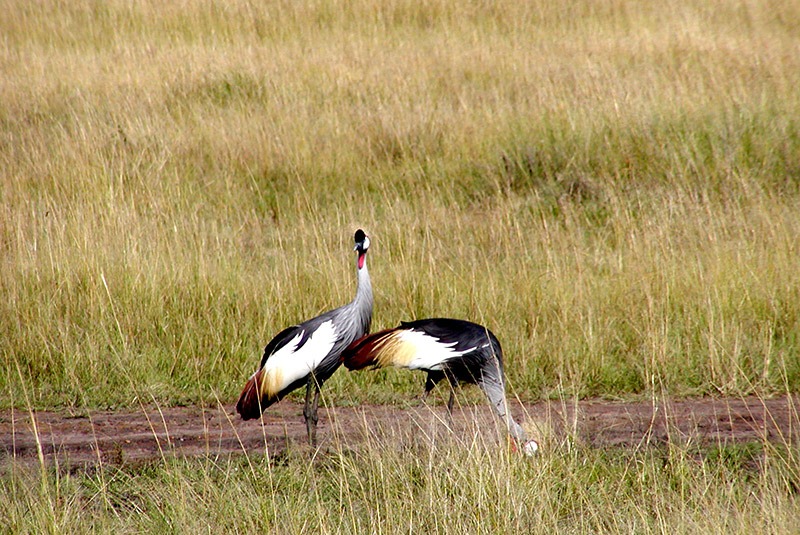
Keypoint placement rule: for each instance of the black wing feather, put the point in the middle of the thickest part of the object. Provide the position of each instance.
(280, 340)
(485, 362)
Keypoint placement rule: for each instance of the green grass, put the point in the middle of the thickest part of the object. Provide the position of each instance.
(612, 188)
(410, 484)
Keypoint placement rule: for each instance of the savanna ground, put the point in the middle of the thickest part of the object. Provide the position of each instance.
(613, 188)
(75, 441)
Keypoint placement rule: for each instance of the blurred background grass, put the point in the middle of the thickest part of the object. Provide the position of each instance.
(612, 188)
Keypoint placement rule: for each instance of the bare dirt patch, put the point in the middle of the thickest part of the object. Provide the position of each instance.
(153, 433)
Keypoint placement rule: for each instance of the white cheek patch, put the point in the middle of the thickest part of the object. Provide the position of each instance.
(365, 246)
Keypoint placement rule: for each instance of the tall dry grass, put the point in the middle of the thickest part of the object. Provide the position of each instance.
(611, 188)
(409, 480)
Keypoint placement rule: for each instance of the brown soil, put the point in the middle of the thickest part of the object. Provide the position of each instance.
(152, 433)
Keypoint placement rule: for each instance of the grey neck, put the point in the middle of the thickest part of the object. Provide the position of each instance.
(496, 393)
(362, 303)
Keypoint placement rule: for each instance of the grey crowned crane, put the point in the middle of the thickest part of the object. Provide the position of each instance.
(309, 353)
(452, 349)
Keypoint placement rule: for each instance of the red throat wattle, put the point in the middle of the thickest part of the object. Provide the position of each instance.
(361, 258)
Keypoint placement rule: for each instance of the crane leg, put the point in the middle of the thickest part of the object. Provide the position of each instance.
(310, 409)
(430, 382)
(450, 402)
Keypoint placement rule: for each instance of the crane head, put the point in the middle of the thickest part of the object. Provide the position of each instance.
(362, 244)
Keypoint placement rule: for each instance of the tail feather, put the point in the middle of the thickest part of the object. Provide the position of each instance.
(249, 404)
(364, 351)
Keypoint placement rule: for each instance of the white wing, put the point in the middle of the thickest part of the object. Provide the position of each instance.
(289, 363)
(429, 353)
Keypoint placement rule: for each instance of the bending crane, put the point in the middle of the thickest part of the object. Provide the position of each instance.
(456, 350)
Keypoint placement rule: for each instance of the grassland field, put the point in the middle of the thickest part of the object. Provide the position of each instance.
(613, 188)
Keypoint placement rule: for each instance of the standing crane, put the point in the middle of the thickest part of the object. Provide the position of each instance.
(452, 349)
(309, 353)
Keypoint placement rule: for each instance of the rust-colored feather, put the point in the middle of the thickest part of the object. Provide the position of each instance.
(365, 351)
(249, 405)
